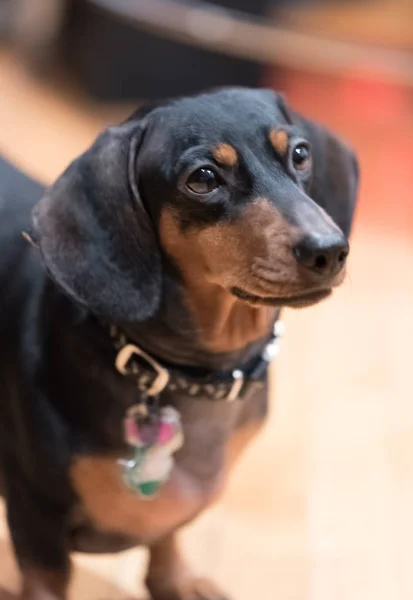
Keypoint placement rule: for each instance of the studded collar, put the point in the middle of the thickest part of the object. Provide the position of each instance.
(153, 377)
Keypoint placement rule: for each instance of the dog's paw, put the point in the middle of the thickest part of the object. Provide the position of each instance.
(191, 589)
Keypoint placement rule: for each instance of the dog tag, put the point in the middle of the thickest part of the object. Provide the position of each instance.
(155, 438)
(141, 426)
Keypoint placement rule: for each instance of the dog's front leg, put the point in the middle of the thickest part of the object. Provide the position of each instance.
(38, 527)
(170, 578)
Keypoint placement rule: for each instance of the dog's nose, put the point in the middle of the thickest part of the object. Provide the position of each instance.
(325, 255)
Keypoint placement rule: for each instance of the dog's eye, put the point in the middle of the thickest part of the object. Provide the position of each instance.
(301, 156)
(202, 181)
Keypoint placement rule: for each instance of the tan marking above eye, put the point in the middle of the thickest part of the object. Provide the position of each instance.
(225, 154)
(279, 140)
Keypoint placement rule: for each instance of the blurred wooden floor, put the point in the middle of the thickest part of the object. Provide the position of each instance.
(321, 507)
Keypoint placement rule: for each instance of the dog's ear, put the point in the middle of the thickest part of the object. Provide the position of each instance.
(95, 236)
(335, 179)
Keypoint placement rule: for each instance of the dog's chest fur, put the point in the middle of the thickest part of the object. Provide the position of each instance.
(215, 435)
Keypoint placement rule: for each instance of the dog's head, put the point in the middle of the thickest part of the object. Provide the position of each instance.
(232, 186)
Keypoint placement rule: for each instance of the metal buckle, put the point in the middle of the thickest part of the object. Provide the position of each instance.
(123, 357)
(238, 382)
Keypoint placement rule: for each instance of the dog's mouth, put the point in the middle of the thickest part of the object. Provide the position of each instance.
(293, 301)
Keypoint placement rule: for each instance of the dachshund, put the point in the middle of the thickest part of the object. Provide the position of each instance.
(137, 327)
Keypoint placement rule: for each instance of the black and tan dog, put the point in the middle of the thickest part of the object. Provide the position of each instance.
(180, 234)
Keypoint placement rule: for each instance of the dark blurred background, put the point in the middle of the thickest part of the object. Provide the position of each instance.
(321, 506)
(136, 49)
